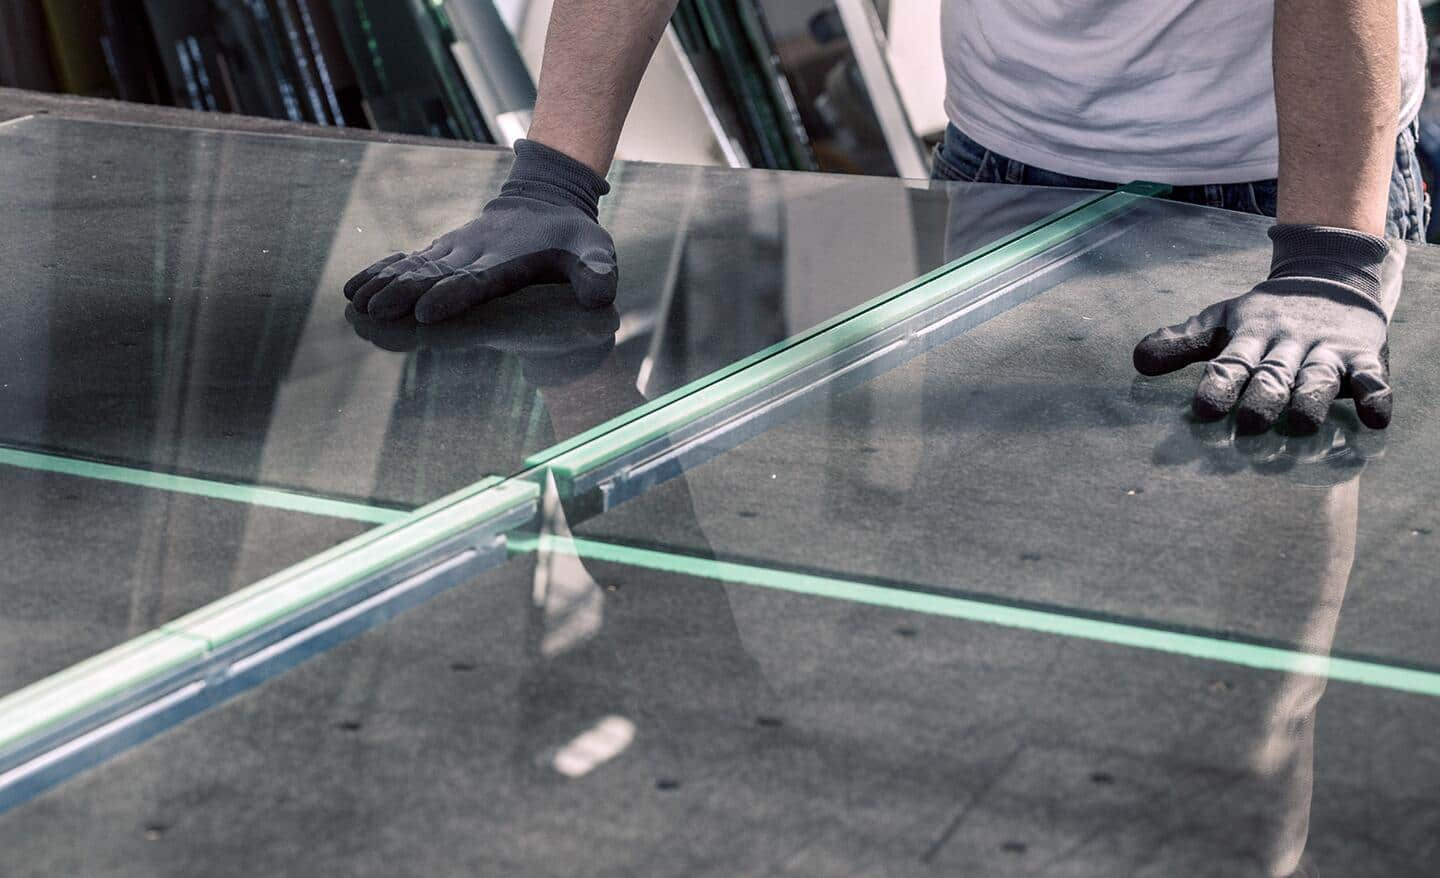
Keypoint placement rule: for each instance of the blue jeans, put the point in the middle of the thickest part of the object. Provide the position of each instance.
(960, 158)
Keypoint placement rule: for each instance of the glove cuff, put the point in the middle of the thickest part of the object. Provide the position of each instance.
(1321, 255)
(551, 176)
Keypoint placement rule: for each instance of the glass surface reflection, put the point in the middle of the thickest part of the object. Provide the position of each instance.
(565, 715)
(174, 301)
(91, 564)
(1024, 462)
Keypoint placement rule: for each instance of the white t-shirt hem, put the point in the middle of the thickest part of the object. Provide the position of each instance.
(1110, 172)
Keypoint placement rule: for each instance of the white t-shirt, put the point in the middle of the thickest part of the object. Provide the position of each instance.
(1172, 91)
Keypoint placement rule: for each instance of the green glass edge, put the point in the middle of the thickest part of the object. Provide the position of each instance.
(314, 561)
(1267, 658)
(24, 713)
(90, 682)
(601, 430)
(254, 606)
(836, 336)
(253, 495)
(354, 544)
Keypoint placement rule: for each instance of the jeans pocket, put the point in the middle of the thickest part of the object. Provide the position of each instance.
(958, 158)
(943, 167)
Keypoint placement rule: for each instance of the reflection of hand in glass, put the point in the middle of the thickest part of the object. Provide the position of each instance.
(556, 342)
(567, 351)
(1333, 454)
(1317, 474)
(1285, 759)
(543, 228)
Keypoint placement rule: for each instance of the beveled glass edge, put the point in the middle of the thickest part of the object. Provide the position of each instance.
(68, 694)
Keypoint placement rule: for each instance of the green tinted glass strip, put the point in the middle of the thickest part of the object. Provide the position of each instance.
(133, 664)
(772, 366)
(290, 591)
(36, 708)
(254, 495)
(1198, 646)
(601, 431)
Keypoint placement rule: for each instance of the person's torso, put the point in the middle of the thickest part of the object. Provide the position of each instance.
(1175, 91)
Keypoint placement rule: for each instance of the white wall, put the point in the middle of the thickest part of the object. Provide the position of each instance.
(915, 59)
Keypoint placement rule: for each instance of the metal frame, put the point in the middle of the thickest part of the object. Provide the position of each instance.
(491, 64)
(867, 42)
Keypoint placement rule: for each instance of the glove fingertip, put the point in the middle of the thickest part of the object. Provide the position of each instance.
(367, 293)
(1251, 421)
(356, 283)
(361, 278)
(594, 289)
(1151, 360)
(1375, 410)
(1310, 405)
(1304, 419)
(1302, 423)
(1209, 406)
(1206, 410)
(1166, 350)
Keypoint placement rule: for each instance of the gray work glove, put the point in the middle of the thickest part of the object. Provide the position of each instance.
(1315, 330)
(543, 228)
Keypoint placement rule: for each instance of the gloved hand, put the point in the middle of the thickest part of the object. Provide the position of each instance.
(543, 228)
(1314, 330)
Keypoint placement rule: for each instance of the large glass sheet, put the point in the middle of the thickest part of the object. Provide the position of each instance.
(1025, 462)
(567, 717)
(173, 301)
(91, 563)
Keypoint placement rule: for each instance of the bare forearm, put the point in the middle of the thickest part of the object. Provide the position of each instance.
(595, 53)
(1337, 93)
